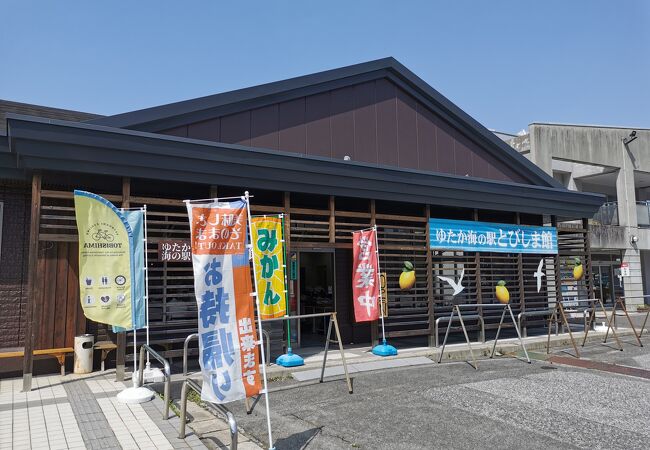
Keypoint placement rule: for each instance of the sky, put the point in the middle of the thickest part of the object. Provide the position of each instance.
(506, 63)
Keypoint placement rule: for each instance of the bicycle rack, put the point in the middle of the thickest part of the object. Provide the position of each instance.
(232, 423)
(436, 326)
(167, 372)
(191, 337)
(535, 313)
(456, 310)
(185, 349)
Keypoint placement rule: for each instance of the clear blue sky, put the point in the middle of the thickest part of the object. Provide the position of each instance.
(507, 63)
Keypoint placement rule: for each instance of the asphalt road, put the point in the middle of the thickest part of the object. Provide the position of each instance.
(506, 404)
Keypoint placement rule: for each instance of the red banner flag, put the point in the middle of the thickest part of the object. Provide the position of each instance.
(365, 279)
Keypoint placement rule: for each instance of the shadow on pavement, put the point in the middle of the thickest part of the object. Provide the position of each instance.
(298, 440)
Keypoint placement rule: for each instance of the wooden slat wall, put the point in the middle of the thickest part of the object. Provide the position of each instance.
(404, 238)
(58, 295)
(172, 304)
(573, 243)
(401, 238)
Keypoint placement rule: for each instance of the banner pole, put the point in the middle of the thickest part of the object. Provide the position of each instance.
(146, 277)
(259, 325)
(381, 297)
(286, 286)
(288, 359)
(382, 349)
(135, 350)
(135, 332)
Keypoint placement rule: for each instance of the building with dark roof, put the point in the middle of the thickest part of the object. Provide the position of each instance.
(335, 151)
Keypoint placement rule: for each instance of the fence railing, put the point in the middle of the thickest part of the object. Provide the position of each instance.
(167, 372)
(608, 214)
(232, 423)
(643, 214)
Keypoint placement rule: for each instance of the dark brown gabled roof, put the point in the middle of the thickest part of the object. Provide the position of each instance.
(9, 107)
(173, 115)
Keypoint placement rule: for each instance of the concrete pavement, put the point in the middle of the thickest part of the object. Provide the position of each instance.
(506, 404)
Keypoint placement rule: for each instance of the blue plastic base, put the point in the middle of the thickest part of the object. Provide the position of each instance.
(289, 359)
(384, 349)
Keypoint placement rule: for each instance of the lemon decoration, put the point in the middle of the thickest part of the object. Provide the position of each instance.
(502, 292)
(407, 277)
(578, 270)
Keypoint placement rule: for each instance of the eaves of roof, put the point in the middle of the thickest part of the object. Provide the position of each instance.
(41, 144)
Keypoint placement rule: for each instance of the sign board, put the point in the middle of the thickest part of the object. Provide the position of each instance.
(228, 339)
(106, 266)
(365, 265)
(174, 250)
(293, 267)
(384, 294)
(473, 236)
(268, 257)
(625, 269)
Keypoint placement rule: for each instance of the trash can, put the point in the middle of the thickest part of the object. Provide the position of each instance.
(83, 353)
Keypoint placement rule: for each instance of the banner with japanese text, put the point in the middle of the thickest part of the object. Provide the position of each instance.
(472, 236)
(228, 351)
(105, 260)
(268, 257)
(365, 283)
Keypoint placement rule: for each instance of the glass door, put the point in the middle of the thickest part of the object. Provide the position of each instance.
(607, 285)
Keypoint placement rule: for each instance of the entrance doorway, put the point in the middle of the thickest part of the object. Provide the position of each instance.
(316, 294)
(608, 284)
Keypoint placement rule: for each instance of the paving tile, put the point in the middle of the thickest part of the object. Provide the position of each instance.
(21, 447)
(82, 413)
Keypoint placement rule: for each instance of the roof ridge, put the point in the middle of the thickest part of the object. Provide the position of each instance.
(177, 114)
(241, 94)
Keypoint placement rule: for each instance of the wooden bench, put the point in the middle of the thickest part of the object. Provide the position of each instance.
(105, 347)
(58, 353)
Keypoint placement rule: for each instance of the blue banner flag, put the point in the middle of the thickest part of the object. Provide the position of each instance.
(135, 218)
(472, 236)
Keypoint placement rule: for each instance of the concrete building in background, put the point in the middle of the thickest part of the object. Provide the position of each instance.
(614, 162)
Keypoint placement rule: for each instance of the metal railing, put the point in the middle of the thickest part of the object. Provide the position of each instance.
(535, 313)
(571, 306)
(190, 337)
(457, 309)
(167, 372)
(436, 325)
(643, 214)
(607, 214)
(645, 299)
(232, 423)
(185, 349)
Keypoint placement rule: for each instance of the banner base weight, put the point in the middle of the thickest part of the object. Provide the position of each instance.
(134, 395)
(290, 359)
(384, 349)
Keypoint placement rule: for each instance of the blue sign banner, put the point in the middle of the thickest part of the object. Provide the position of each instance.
(135, 218)
(491, 237)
